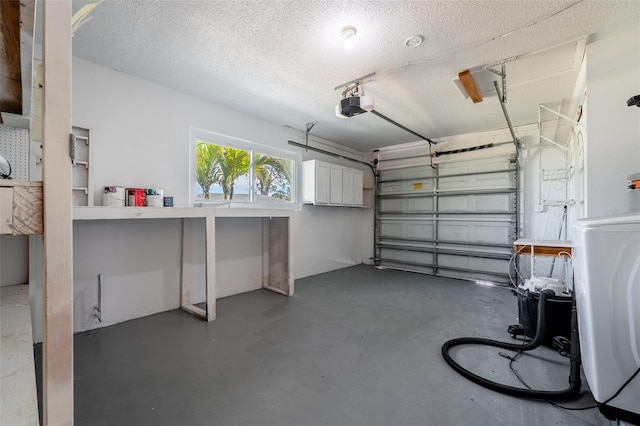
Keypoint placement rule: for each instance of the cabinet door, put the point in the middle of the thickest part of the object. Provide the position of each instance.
(336, 184)
(347, 186)
(322, 183)
(357, 187)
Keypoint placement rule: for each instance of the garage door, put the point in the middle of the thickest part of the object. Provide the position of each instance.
(454, 218)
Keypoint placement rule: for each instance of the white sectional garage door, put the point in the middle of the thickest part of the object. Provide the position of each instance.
(455, 218)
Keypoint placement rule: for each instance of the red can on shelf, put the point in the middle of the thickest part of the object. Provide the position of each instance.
(136, 197)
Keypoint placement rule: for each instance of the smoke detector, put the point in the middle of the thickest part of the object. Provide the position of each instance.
(413, 41)
(348, 31)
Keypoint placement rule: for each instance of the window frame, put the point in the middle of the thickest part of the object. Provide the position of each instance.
(200, 135)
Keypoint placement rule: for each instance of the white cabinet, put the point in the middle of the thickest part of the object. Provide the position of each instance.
(331, 184)
(335, 193)
(357, 187)
(315, 182)
(347, 186)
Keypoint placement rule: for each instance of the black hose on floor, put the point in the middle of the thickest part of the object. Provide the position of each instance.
(560, 395)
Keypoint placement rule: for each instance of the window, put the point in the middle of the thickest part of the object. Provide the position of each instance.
(226, 169)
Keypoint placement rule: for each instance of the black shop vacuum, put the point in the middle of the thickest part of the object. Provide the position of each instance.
(547, 316)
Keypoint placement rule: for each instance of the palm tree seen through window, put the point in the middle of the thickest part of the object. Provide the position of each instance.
(226, 173)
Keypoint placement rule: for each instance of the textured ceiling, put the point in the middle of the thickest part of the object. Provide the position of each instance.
(280, 60)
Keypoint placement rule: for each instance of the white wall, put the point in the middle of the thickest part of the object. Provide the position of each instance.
(140, 138)
(613, 147)
(13, 254)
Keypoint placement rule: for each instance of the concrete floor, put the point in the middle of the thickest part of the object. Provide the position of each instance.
(358, 346)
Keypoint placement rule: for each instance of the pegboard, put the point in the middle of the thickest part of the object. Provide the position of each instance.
(14, 146)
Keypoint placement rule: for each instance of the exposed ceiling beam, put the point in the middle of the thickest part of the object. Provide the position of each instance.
(469, 85)
(10, 67)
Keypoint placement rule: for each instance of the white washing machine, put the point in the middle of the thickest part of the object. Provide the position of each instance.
(606, 256)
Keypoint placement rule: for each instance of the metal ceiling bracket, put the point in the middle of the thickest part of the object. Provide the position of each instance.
(308, 127)
(506, 116)
(503, 76)
(358, 81)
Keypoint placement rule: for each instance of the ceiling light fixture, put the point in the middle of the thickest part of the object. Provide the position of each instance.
(413, 41)
(347, 34)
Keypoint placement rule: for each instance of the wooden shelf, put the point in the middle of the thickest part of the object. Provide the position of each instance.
(107, 212)
(251, 212)
(553, 248)
(10, 183)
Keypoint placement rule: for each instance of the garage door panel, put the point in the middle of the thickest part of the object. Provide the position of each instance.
(408, 256)
(392, 230)
(419, 257)
(497, 179)
(475, 182)
(492, 202)
(394, 174)
(482, 179)
(459, 223)
(493, 233)
(419, 172)
(419, 231)
(393, 254)
(455, 182)
(420, 185)
(454, 231)
(406, 266)
(475, 276)
(418, 205)
(474, 165)
(473, 263)
(390, 187)
(484, 202)
(475, 231)
(406, 230)
(391, 205)
(471, 232)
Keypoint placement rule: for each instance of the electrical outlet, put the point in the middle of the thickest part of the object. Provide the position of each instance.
(539, 208)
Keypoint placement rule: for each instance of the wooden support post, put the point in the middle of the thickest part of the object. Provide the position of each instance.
(57, 360)
(210, 262)
(276, 255)
(185, 269)
(208, 314)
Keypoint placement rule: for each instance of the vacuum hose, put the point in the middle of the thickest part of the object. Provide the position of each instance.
(574, 375)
